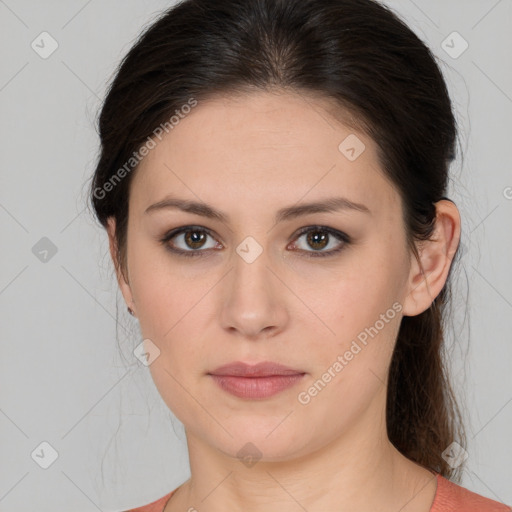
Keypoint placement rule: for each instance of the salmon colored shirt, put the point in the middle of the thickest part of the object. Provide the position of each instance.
(449, 497)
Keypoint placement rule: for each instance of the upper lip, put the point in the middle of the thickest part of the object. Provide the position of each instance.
(263, 369)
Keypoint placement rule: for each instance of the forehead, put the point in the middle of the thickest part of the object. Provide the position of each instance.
(262, 149)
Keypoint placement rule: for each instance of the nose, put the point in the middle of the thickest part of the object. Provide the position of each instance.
(254, 299)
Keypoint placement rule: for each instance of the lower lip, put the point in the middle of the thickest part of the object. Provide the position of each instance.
(256, 387)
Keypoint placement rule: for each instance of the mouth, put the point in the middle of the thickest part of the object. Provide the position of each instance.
(259, 381)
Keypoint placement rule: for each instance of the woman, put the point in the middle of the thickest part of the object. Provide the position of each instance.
(273, 178)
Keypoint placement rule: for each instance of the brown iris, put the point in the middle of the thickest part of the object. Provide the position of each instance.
(314, 239)
(194, 239)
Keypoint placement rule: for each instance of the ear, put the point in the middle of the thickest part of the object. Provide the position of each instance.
(426, 280)
(122, 280)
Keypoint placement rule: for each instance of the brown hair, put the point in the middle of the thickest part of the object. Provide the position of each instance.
(355, 52)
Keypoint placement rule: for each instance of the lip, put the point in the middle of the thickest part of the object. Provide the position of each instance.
(258, 381)
(263, 369)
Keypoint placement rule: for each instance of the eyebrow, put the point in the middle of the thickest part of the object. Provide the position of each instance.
(328, 205)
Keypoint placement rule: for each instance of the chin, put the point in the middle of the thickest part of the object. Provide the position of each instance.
(252, 442)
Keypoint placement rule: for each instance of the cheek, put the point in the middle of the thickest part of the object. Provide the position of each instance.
(351, 371)
(162, 294)
(360, 305)
(354, 296)
(172, 312)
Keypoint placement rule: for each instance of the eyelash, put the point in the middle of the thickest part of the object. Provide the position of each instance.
(343, 237)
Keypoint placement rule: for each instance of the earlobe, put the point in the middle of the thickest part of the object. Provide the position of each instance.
(428, 276)
(121, 279)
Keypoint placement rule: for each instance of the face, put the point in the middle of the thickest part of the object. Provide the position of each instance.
(320, 292)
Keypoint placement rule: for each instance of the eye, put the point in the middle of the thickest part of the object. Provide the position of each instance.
(319, 237)
(192, 236)
(193, 239)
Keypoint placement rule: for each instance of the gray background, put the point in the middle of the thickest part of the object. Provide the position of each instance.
(63, 378)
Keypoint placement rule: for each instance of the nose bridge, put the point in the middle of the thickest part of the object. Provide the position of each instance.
(251, 274)
(252, 301)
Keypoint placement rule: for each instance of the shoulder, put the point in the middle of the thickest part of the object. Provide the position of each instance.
(451, 497)
(154, 506)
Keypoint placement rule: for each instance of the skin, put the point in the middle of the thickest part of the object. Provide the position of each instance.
(249, 156)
